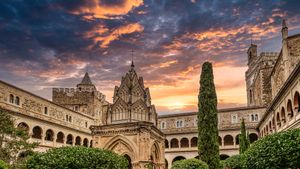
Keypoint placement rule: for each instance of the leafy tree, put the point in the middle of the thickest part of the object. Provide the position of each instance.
(3, 165)
(243, 138)
(77, 158)
(13, 141)
(277, 151)
(189, 164)
(208, 145)
(233, 162)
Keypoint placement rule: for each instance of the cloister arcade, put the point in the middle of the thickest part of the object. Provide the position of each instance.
(284, 114)
(52, 138)
(227, 140)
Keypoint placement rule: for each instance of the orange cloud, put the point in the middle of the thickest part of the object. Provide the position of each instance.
(96, 10)
(103, 36)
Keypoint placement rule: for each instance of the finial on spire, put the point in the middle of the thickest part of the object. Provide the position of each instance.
(132, 64)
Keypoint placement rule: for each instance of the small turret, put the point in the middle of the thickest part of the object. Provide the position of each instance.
(284, 30)
(86, 84)
(252, 53)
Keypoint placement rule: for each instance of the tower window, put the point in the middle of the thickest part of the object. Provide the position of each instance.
(46, 110)
(11, 98)
(17, 100)
(76, 108)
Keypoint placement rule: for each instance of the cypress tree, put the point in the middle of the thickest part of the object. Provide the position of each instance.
(208, 134)
(243, 138)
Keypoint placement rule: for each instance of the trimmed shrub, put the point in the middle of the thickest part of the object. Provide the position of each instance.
(3, 165)
(190, 164)
(77, 158)
(276, 151)
(233, 162)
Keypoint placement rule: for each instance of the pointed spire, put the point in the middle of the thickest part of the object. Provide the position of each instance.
(86, 79)
(132, 64)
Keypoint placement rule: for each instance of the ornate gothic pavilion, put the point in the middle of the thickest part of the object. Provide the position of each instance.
(129, 126)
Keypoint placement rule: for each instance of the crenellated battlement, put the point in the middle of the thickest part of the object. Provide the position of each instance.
(72, 91)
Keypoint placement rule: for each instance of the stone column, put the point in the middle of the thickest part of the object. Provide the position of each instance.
(54, 140)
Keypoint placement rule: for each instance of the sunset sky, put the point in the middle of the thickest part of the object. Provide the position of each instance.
(52, 43)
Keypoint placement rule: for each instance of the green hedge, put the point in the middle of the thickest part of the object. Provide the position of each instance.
(77, 158)
(233, 162)
(189, 164)
(276, 151)
(3, 165)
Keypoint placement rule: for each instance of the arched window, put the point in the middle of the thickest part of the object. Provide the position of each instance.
(184, 142)
(297, 102)
(11, 98)
(37, 132)
(78, 141)
(237, 139)
(252, 117)
(270, 126)
(220, 141)
(85, 142)
(283, 115)
(69, 139)
(228, 140)
(174, 143)
(17, 101)
(23, 126)
(178, 158)
(129, 161)
(289, 109)
(278, 119)
(49, 135)
(163, 125)
(253, 137)
(166, 143)
(256, 117)
(194, 142)
(91, 143)
(60, 137)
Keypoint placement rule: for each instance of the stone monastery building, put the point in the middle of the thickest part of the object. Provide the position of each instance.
(131, 127)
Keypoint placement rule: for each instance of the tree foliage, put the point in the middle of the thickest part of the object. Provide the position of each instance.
(13, 141)
(208, 145)
(3, 165)
(233, 162)
(243, 138)
(77, 158)
(189, 164)
(277, 151)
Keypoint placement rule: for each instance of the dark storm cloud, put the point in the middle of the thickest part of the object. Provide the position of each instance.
(53, 42)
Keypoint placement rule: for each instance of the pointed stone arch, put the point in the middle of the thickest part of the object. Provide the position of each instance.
(155, 152)
(122, 146)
